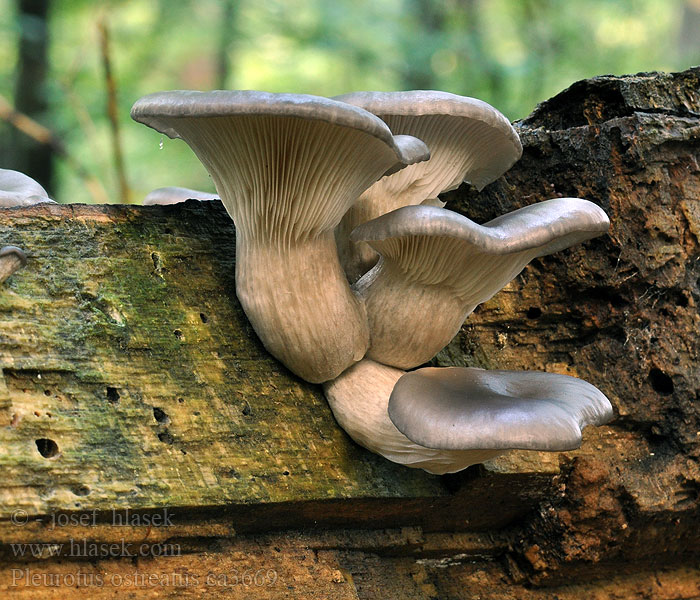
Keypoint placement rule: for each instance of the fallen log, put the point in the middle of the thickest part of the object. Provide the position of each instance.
(138, 407)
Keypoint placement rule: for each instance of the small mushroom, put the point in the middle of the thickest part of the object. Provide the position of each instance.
(456, 408)
(359, 399)
(12, 259)
(469, 140)
(437, 266)
(17, 189)
(174, 195)
(287, 168)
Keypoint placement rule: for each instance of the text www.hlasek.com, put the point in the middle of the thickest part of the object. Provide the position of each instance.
(87, 549)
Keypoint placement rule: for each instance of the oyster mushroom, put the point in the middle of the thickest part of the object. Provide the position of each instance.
(173, 195)
(17, 189)
(444, 420)
(439, 263)
(287, 168)
(359, 399)
(469, 140)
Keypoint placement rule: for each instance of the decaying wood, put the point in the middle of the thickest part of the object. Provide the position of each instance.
(133, 388)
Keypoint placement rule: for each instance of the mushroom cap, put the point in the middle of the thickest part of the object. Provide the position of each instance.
(547, 226)
(12, 259)
(467, 408)
(156, 110)
(17, 189)
(173, 195)
(469, 138)
(285, 165)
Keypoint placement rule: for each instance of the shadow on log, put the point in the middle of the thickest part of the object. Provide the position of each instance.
(134, 390)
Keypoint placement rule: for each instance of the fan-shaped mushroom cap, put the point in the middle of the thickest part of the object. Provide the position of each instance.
(436, 262)
(359, 399)
(469, 140)
(12, 259)
(287, 167)
(173, 195)
(466, 408)
(17, 189)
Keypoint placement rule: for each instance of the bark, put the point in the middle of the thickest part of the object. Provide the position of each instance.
(131, 380)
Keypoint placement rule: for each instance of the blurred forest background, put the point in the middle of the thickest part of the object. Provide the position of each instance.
(71, 69)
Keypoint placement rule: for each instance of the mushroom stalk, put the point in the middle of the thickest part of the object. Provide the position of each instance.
(359, 399)
(277, 286)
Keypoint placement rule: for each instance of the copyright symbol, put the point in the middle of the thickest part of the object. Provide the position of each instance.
(19, 517)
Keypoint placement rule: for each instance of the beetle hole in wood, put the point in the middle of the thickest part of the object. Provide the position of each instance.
(160, 415)
(166, 438)
(46, 447)
(246, 409)
(660, 381)
(112, 395)
(178, 334)
(534, 312)
(204, 317)
(80, 490)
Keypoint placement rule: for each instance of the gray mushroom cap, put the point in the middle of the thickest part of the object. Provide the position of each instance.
(18, 189)
(469, 140)
(547, 226)
(467, 408)
(480, 144)
(156, 110)
(174, 195)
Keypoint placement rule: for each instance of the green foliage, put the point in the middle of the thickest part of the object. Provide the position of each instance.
(511, 53)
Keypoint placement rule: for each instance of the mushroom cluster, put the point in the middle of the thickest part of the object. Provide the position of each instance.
(353, 274)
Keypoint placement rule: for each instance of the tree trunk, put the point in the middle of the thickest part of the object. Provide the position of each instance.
(135, 393)
(25, 154)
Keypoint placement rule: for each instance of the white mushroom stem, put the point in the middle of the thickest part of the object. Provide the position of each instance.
(278, 286)
(359, 399)
(17, 189)
(437, 266)
(11, 260)
(287, 167)
(469, 140)
(175, 195)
